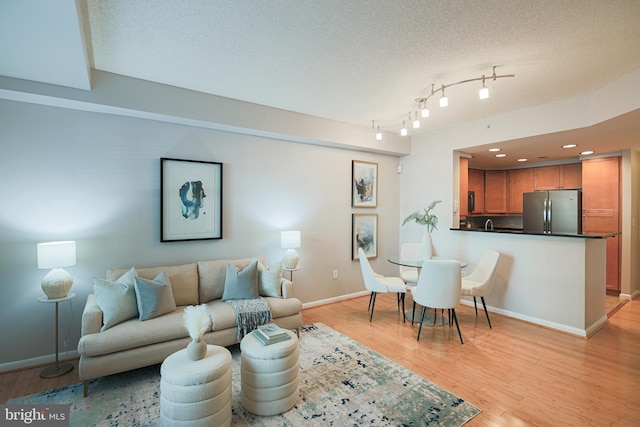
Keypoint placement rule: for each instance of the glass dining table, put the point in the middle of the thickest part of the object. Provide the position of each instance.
(431, 318)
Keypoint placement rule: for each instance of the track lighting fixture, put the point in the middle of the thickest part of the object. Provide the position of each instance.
(444, 100)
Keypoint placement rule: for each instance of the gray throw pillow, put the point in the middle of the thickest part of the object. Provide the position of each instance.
(154, 297)
(241, 284)
(270, 280)
(117, 299)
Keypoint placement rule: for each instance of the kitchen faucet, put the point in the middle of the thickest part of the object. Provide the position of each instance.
(487, 223)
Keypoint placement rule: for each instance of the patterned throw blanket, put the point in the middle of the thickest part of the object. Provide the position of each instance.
(250, 313)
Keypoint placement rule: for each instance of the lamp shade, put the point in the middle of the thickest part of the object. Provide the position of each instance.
(290, 239)
(57, 283)
(56, 254)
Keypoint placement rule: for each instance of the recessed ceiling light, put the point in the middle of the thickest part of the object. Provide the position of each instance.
(522, 160)
(494, 149)
(501, 155)
(570, 146)
(586, 153)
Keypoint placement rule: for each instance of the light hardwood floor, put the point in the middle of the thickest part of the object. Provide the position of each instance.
(517, 373)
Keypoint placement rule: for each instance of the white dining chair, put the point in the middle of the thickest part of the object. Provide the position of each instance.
(377, 283)
(410, 251)
(480, 282)
(439, 287)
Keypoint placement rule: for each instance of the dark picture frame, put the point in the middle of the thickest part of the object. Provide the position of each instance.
(364, 184)
(190, 200)
(364, 235)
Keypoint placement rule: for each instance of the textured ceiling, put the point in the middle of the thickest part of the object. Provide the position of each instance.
(350, 60)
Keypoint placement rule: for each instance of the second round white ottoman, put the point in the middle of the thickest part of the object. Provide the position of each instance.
(196, 393)
(269, 375)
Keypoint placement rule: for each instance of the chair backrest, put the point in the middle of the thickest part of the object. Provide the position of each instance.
(409, 251)
(439, 285)
(368, 275)
(484, 272)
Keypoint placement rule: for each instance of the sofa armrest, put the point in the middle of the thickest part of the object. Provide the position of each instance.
(287, 288)
(91, 317)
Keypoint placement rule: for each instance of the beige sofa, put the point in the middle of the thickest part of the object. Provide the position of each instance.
(134, 344)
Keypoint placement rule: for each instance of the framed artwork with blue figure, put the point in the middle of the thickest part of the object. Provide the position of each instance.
(364, 235)
(364, 184)
(190, 200)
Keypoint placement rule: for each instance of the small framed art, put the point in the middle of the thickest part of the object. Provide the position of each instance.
(190, 200)
(364, 184)
(364, 235)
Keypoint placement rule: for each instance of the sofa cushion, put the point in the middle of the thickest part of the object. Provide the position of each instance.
(241, 283)
(270, 279)
(184, 280)
(212, 275)
(116, 299)
(134, 333)
(154, 297)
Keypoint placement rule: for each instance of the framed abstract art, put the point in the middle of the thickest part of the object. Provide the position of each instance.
(364, 235)
(364, 184)
(190, 200)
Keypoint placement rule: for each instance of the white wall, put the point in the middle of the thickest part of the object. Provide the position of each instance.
(95, 178)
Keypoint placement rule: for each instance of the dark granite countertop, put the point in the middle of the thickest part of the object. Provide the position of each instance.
(519, 231)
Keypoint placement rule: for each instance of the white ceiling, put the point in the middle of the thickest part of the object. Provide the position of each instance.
(349, 60)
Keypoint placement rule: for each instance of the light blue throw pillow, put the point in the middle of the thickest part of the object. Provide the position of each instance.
(117, 299)
(154, 297)
(270, 280)
(241, 284)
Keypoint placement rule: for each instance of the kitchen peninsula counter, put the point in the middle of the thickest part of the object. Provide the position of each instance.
(529, 233)
(557, 281)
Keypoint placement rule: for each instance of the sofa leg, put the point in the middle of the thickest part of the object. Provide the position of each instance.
(298, 332)
(86, 388)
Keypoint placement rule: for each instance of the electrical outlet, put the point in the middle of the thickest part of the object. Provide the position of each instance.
(335, 274)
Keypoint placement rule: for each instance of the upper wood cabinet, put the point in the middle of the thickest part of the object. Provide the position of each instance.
(520, 181)
(567, 176)
(476, 184)
(495, 191)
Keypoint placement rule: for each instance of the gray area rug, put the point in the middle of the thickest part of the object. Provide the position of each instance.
(342, 383)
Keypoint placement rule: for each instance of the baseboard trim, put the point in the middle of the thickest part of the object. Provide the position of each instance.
(583, 333)
(34, 362)
(334, 299)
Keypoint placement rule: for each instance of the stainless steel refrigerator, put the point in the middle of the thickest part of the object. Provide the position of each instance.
(553, 211)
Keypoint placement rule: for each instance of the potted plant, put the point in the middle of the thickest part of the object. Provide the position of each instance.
(431, 221)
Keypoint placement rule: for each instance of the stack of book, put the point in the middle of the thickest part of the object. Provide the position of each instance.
(270, 334)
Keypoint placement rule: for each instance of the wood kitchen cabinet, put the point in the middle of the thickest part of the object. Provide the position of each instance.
(601, 208)
(558, 177)
(476, 184)
(464, 187)
(519, 181)
(495, 191)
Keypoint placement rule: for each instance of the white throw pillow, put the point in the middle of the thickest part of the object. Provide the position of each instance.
(270, 279)
(116, 299)
(154, 297)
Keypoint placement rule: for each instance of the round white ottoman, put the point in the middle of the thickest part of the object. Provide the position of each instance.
(196, 393)
(269, 375)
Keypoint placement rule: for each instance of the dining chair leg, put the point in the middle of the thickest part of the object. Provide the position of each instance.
(486, 312)
(455, 318)
(475, 305)
(373, 304)
(421, 320)
(413, 312)
(402, 312)
(370, 299)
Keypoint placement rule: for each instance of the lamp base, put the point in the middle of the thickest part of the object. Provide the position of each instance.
(290, 259)
(57, 283)
(56, 370)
